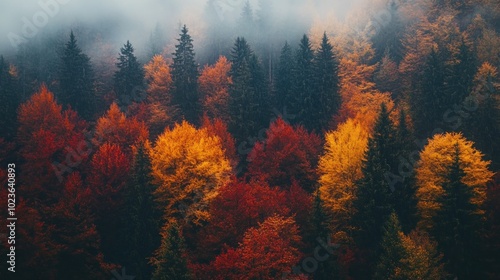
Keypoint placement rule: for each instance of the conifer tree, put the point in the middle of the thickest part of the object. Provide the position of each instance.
(76, 78)
(9, 100)
(284, 97)
(170, 260)
(304, 85)
(392, 250)
(185, 78)
(327, 97)
(129, 78)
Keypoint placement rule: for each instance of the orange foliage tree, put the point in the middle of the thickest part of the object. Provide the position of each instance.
(214, 83)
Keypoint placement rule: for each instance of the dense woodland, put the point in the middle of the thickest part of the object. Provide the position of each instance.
(365, 150)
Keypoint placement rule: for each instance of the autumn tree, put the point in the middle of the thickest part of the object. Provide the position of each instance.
(129, 78)
(189, 166)
(339, 169)
(159, 85)
(267, 252)
(185, 78)
(214, 83)
(115, 128)
(287, 154)
(77, 79)
(170, 259)
(218, 128)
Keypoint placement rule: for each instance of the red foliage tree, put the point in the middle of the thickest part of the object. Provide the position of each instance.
(217, 127)
(287, 154)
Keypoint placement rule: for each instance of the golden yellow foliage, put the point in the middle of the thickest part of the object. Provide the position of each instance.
(214, 83)
(340, 168)
(157, 75)
(432, 170)
(189, 166)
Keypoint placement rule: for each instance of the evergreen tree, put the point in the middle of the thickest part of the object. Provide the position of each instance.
(129, 78)
(157, 42)
(76, 78)
(373, 195)
(429, 101)
(388, 39)
(9, 100)
(458, 225)
(461, 80)
(170, 259)
(185, 78)
(140, 217)
(284, 97)
(304, 85)
(391, 250)
(327, 99)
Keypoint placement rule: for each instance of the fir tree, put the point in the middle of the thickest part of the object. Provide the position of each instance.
(9, 100)
(458, 225)
(129, 78)
(391, 250)
(141, 218)
(170, 259)
(327, 97)
(185, 78)
(76, 78)
(284, 97)
(304, 85)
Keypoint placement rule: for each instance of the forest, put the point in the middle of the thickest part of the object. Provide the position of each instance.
(283, 142)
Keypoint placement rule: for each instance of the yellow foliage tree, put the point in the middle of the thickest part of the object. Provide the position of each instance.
(340, 168)
(214, 83)
(189, 166)
(433, 166)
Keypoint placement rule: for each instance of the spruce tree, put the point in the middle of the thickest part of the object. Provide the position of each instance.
(140, 217)
(170, 260)
(9, 100)
(304, 85)
(284, 97)
(129, 78)
(460, 82)
(458, 225)
(391, 250)
(326, 95)
(76, 78)
(185, 78)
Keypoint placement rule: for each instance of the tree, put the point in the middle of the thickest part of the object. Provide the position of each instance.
(340, 168)
(458, 223)
(266, 252)
(189, 166)
(304, 85)
(129, 78)
(392, 250)
(141, 218)
(287, 154)
(9, 99)
(115, 128)
(170, 258)
(76, 78)
(327, 99)
(433, 167)
(159, 98)
(218, 128)
(214, 83)
(285, 98)
(185, 78)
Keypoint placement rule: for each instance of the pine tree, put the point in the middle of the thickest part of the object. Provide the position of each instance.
(141, 218)
(76, 78)
(9, 100)
(185, 78)
(304, 85)
(461, 79)
(392, 250)
(284, 98)
(373, 200)
(129, 78)
(458, 224)
(170, 260)
(327, 97)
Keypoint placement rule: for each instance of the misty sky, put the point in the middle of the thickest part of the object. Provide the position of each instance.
(132, 19)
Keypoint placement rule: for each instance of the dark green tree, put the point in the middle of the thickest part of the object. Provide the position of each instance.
(391, 250)
(458, 225)
(304, 86)
(170, 260)
(185, 78)
(461, 79)
(129, 78)
(327, 97)
(76, 78)
(9, 100)
(388, 37)
(141, 218)
(284, 97)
